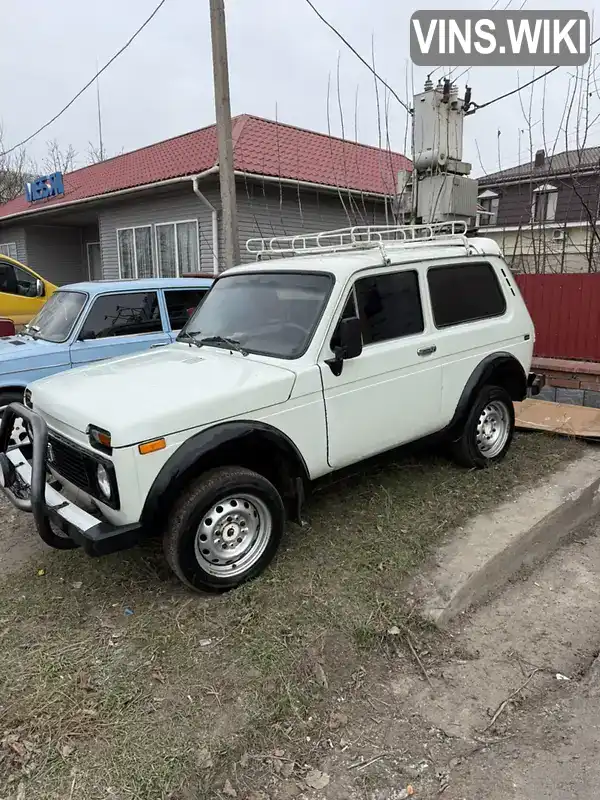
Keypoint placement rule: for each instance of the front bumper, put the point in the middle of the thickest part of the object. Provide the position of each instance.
(25, 485)
(535, 383)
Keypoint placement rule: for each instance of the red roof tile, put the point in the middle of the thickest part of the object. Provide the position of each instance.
(261, 146)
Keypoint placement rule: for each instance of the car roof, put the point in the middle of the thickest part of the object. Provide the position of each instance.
(343, 263)
(138, 285)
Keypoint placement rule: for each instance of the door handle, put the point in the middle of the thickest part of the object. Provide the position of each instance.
(427, 351)
(162, 344)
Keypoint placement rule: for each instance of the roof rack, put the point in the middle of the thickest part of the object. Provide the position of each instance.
(361, 237)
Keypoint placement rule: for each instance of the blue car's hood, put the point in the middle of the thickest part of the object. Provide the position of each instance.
(20, 353)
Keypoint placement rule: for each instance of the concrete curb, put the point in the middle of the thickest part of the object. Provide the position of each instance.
(492, 548)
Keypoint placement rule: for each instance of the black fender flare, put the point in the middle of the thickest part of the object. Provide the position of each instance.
(481, 375)
(172, 474)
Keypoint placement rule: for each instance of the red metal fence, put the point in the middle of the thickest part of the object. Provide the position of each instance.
(566, 314)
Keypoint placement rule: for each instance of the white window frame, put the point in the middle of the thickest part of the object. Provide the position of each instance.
(135, 228)
(5, 250)
(488, 218)
(89, 262)
(551, 194)
(175, 223)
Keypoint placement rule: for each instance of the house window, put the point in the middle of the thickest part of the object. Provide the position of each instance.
(488, 208)
(178, 248)
(136, 257)
(543, 207)
(9, 249)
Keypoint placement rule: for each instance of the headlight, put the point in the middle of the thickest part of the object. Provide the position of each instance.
(103, 481)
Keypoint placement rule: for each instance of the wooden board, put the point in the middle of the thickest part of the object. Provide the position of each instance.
(561, 418)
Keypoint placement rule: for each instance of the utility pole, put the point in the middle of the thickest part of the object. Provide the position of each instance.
(224, 135)
(441, 187)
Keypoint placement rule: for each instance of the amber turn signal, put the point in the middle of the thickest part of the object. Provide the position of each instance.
(152, 447)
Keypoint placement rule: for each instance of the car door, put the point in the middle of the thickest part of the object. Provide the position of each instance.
(119, 324)
(19, 298)
(390, 394)
(180, 305)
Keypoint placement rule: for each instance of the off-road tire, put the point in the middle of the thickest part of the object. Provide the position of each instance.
(466, 450)
(191, 509)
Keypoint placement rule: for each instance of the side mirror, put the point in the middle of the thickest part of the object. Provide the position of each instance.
(40, 289)
(350, 346)
(85, 336)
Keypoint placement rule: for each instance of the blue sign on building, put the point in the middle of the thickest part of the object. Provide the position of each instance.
(46, 186)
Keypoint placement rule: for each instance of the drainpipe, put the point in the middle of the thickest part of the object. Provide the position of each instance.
(213, 211)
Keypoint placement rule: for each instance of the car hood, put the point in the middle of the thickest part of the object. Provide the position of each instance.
(19, 353)
(162, 391)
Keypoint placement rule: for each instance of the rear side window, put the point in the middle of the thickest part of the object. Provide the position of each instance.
(464, 293)
(123, 315)
(389, 306)
(181, 304)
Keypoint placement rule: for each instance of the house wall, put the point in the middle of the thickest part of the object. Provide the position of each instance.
(534, 250)
(16, 235)
(262, 211)
(167, 206)
(578, 196)
(57, 253)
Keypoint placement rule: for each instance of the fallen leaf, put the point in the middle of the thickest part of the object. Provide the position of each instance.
(394, 631)
(337, 720)
(84, 682)
(244, 760)
(287, 769)
(279, 753)
(205, 642)
(41, 572)
(320, 675)
(317, 779)
(66, 750)
(228, 789)
(77, 584)
(158, 676)
(204, 758)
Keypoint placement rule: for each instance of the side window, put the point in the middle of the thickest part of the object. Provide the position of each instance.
(389, 306)
(464, 293)
(8, 279)
(181, 304)
(123, 315)
(26, 283)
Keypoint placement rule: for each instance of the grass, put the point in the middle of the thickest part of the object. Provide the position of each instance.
(187, 692)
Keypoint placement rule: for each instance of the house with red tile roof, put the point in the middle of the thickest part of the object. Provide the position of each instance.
(156, 210)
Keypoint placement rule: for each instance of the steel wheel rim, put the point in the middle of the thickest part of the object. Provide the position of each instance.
(493, 428)
(233, 535)
(19, 435)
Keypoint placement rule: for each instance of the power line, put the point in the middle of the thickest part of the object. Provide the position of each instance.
(520, 88)
(88, 84)
(358, 55)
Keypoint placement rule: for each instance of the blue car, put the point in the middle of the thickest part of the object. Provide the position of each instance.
(87, 322)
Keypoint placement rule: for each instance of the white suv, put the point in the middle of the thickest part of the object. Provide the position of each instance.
(292, 367)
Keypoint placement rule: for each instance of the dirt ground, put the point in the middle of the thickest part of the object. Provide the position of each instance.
(319, 680)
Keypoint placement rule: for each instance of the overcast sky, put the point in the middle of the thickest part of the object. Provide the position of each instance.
(280, 58)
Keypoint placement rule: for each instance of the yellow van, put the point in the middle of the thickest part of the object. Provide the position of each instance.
(22, 291)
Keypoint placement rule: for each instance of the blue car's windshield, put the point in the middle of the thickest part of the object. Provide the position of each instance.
(56, 319)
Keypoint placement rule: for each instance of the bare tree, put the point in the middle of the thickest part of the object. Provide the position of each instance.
(16, 169)
(59, 159)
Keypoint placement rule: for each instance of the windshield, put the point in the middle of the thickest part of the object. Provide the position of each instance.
(272, 314)
(57, 317)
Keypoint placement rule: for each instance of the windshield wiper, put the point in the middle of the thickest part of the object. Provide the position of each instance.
(232, 343)
(186, 336)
